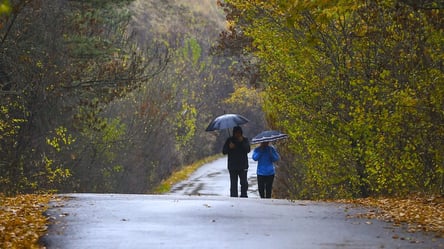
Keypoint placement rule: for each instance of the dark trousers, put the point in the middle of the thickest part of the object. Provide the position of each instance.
(242, 175)
(265, 185)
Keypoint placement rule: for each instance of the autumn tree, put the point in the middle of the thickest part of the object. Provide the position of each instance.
(107, 96)
(357, 85)
(59, 80)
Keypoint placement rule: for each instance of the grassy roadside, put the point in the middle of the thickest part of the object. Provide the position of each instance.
(182, 174)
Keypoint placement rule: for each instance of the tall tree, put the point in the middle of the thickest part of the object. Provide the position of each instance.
(357, 87)
(109, 96)
(59, 80)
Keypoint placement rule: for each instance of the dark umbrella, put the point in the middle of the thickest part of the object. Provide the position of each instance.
(226, 121)
(268, 136)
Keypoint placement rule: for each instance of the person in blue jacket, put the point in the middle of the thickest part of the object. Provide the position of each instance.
(265, 155)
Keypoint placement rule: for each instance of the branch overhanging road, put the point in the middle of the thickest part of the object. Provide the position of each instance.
(198, 213)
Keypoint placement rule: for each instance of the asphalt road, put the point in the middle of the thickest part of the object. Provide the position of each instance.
(213, 180)
(199, 214)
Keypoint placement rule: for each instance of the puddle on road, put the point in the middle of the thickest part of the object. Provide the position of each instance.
(214, 174)
(213, 179)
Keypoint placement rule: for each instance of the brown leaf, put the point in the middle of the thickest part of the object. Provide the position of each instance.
(22, 221)
(419, 213)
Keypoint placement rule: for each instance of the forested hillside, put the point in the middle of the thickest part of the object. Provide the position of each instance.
(358, 86)
(109, 95)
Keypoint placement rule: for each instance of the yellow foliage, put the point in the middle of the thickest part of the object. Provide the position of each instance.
(244, 96)
(61, 138)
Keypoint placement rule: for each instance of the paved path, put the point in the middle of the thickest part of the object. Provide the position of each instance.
(213, 180)
(199, 214)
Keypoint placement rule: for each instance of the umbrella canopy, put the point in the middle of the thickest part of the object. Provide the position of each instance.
(226, 121)
(268, 136)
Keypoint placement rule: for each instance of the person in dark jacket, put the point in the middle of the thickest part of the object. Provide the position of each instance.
(265, 155)
(237, 148)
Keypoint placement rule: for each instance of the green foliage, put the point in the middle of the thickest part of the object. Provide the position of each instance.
(186, 128)
(13, 119)
(358, 86)
(61, 138)
(193, 51)
(106, 140)
(8, 127)
(5, 7)
(55, 174)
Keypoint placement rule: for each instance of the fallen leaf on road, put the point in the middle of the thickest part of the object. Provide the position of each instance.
(22, 221)
(418, 213)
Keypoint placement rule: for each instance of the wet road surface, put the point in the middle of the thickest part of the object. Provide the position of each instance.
(198, 213)
(213, 180)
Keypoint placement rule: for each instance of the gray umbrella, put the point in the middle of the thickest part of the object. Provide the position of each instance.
(268, 136)
(226, 121)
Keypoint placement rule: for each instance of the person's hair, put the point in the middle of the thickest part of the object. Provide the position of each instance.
(237, 129)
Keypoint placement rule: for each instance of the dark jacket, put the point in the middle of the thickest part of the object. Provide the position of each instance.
(238, 156)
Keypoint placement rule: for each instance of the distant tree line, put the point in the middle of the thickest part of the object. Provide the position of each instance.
(358, 86)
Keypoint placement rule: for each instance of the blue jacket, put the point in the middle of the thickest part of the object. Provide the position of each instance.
(265, 156)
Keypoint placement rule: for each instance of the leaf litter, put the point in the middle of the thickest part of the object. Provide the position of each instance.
(417, 213)
(22, 220)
